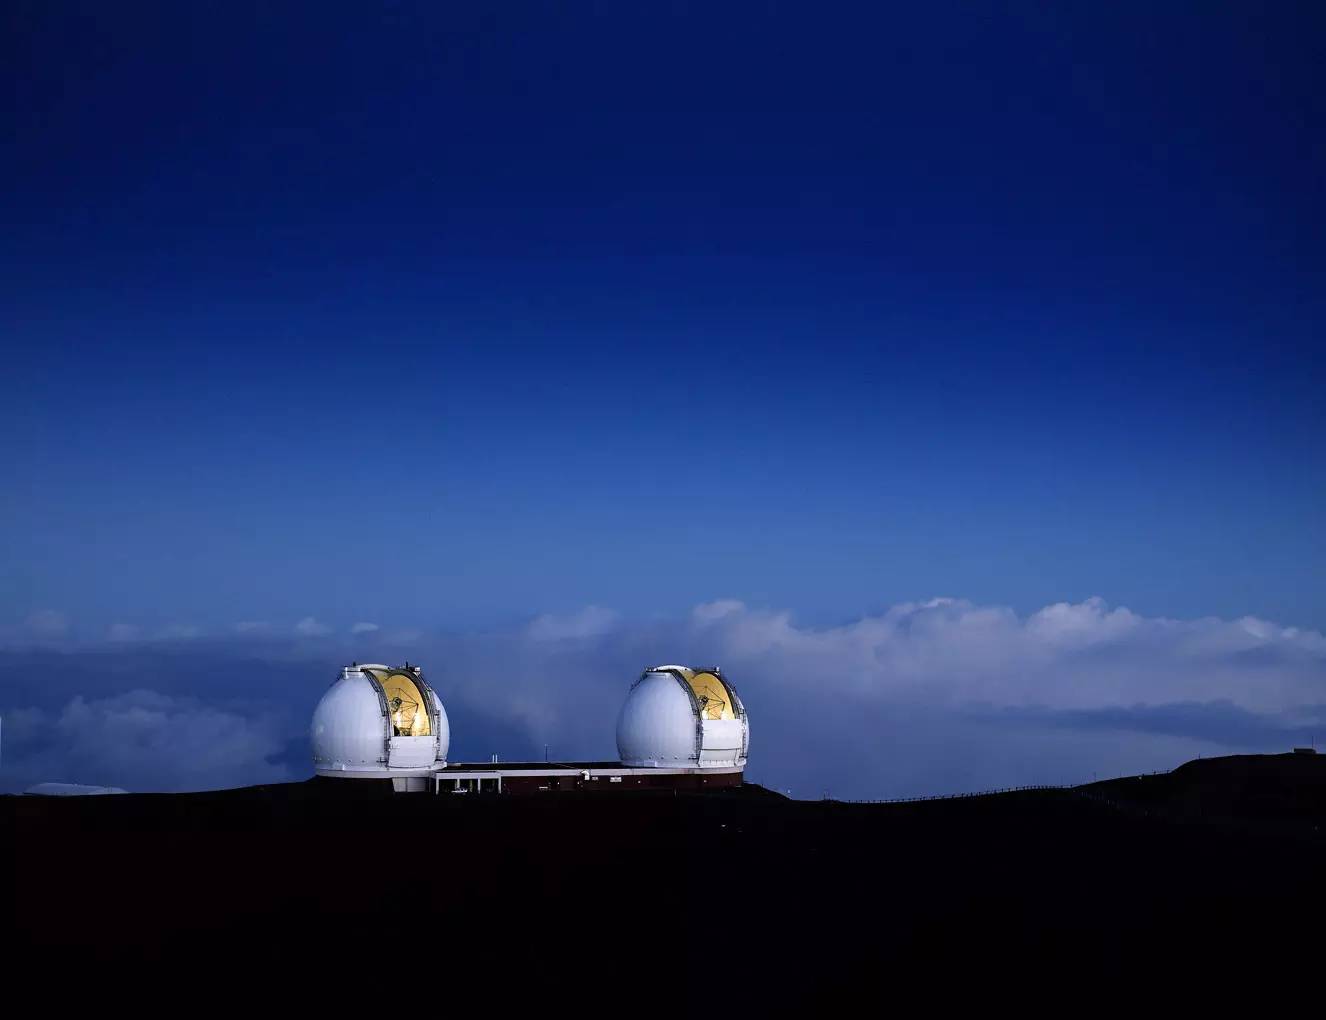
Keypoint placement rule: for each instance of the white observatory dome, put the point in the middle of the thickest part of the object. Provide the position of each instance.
(380, 722)
(678, 717)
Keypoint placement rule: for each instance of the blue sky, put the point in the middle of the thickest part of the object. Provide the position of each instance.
(443, 319)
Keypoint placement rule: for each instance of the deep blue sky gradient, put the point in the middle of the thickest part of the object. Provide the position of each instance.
(449, 315)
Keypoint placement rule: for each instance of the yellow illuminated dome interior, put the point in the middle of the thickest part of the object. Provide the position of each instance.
(715, 701)
(405, 702)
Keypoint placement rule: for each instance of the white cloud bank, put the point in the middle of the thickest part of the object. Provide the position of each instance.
(592, 621)
(925, 697)
(949, 652)
(144, 740)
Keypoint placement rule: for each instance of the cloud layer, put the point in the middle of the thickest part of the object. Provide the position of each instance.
(927, 697)
(145, 740)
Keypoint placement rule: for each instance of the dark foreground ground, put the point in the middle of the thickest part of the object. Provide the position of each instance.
(1213, 874)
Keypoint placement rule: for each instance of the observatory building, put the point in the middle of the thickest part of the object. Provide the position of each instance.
(678, 717)
(381, 722)
(680, 728)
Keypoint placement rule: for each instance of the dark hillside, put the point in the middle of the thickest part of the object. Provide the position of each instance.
(580, 893)
(1284, 791)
